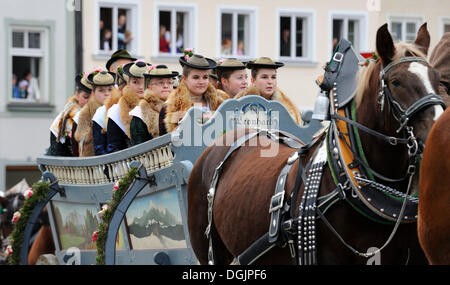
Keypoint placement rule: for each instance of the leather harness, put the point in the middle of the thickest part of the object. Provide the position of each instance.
(352, 174)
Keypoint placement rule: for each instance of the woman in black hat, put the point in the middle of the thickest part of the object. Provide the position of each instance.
(62, 127)
(159, 82)
(232, 75)
(264, 83)
(102, 83)
(194, 90)
(118, 126)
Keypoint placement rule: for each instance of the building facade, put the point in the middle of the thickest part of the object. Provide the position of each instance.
(37, 52)
(299, 33)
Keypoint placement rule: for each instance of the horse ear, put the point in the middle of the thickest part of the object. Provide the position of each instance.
(385, 45)
(423, 39)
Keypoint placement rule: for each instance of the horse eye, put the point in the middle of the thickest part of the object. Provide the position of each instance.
(395, 82)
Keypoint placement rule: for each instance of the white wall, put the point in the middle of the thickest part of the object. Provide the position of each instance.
(25, 135)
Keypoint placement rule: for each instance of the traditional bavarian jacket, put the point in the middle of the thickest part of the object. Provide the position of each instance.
(119, 119)
(144, 124)
(100, 122)
(440, 59)
(179, 103)
(61, 129)
(277, 96)
(83, 133)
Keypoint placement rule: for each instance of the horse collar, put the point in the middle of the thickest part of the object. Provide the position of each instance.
(346, 158)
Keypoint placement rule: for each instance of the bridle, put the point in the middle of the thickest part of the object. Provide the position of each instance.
(400, 114)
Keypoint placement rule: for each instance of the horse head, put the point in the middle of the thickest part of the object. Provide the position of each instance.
(398, 96)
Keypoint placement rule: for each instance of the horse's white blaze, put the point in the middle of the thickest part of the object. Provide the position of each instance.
(438, 110)
(422, 72)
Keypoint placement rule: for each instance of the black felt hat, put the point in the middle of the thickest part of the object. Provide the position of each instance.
(119, 54)
(82, 83)
(264, 62)
(198, 62)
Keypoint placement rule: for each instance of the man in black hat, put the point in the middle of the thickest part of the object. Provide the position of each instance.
(119, 58)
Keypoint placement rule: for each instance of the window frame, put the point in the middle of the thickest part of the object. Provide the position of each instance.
(444, 20)
(135, 8)
(47, 29)
(190, 8)
(235, 10)
(404, 19)
(309, 35)
(361, 16)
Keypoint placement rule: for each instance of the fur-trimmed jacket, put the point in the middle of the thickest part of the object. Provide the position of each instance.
(144, 125)
(179, 103)
(277, 96)
(83, 134)
(119, 119)
(61, 129)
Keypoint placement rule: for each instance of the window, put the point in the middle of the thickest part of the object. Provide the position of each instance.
(404, 29)
(295, 35)
(29, 58)
(237, 29)
(117, 24)
(445, 26)
(174, 26)
(349, 26)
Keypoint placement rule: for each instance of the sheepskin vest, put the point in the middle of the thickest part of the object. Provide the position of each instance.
(179, 102)
(83, 134)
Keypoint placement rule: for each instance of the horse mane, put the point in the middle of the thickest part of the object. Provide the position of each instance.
(402, 49)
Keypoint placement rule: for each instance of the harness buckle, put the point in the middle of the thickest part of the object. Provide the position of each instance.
(338, 56)
(393, 140)
(276, 202)
(292, 158)
(411, 169)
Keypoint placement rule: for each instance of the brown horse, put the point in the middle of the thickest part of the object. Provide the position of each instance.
(434, 211)
(247, 182)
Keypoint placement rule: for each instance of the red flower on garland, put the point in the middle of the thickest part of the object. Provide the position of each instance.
(94, 236)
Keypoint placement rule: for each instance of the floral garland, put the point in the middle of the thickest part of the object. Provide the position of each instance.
(107, 212)
(33, 196)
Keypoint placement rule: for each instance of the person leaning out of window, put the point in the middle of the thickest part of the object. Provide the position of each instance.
(194, 90)
(119, 119)
(264, 83)
(159, 81)
(102, 83)
(64, 125)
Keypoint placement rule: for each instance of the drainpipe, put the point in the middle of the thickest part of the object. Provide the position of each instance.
(79, 39)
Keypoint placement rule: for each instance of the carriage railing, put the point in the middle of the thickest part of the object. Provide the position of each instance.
(154, 155)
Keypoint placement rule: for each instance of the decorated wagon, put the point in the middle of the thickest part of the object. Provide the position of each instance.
(130, 207)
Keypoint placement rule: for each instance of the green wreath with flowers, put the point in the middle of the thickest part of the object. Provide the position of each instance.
(35, 195)
(107, 212)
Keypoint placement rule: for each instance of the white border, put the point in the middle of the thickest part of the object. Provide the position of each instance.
(252, 12)
(362, 16)
(310, 15)
(191, 8)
